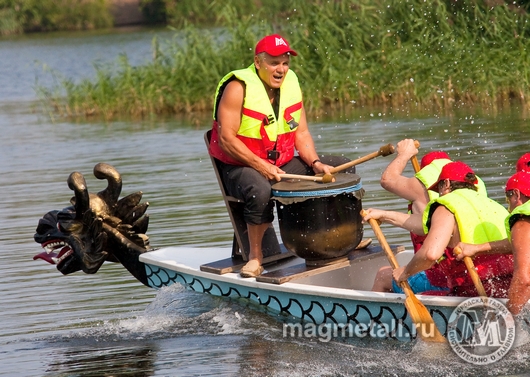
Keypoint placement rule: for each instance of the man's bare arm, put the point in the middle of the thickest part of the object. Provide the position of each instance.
(519, 292)
(229, 117)
(411, 222)
(439, 236)
(392, 180)
(495, 247)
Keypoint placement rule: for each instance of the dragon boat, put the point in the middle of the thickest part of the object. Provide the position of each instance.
(103, 227)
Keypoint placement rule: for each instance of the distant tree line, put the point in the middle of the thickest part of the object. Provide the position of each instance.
(384, 53)
(23, 16)
(178, 13)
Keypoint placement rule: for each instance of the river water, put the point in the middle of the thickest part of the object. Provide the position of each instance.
(108, 324)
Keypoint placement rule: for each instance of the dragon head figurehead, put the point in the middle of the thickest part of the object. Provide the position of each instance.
(95, 228)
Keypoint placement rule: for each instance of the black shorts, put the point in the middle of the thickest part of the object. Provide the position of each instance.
(254, 190)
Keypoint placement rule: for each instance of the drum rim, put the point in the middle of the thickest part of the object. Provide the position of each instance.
(344, 181)
(317, 193)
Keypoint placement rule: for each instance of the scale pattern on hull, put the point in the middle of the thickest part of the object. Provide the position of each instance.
(385, 321)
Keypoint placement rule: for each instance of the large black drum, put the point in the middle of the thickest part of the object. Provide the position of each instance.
(320, 221)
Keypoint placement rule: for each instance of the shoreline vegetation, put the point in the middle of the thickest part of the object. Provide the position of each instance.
(27, 16)
(439, 54)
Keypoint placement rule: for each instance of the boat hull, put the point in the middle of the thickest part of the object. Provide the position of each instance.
(321, 299)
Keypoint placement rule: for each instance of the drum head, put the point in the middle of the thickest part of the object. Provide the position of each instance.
(294, 190)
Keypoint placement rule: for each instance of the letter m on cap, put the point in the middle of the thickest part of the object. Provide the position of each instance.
(280, 41)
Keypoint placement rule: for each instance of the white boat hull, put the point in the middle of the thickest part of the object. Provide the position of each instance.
(341, 296)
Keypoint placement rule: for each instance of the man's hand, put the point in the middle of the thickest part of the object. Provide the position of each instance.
(468, 250)
(376, 214)
(320, 168)
(406, 148)
(269, 171)
(399, 275)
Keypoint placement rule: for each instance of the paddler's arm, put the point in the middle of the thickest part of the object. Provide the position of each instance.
(442, 229)
(519, 292)
(392, 180)
(229, 118)
(411, 222)
(495, 247)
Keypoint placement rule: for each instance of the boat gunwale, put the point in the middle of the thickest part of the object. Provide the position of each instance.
(159, 258)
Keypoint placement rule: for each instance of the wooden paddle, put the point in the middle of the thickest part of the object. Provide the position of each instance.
(472, 273)
(427, 329)
(414, 159)
(323, 179)
(385, 150)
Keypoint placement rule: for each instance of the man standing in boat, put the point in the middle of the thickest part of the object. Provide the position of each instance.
(461, 214)
(259, 123)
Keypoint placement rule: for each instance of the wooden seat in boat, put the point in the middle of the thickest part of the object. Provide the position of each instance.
(302, 270)
(272, 250)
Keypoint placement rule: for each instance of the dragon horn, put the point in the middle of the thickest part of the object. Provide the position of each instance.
(77, 183)
(111, 194)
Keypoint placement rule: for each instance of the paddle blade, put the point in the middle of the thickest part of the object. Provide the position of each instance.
(422, 319)
(419, 314)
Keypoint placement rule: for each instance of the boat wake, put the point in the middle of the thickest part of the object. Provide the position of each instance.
(244, 339)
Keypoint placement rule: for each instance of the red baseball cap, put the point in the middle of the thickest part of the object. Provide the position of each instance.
(523, 164)
(274, 45)
(454, 171)
(520, 181)
(431, 156)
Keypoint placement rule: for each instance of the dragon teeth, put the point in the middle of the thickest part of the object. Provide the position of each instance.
(58, 260)
(54, 245)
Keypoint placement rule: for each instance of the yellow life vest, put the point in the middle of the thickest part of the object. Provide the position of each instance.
(260, 130)
(479, 220)
(430, 173)
(517, 213)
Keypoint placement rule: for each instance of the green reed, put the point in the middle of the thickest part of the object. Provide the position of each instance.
(179, 13)
(357, 53)
(19, 16)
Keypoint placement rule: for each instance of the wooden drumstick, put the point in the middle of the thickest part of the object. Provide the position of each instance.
(313, 178)
(385, 150)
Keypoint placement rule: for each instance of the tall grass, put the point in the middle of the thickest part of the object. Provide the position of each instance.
(18, 16)
(179, 13)
(394, 53)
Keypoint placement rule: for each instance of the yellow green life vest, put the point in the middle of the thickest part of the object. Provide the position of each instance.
(260, 130)
(479, 220)
(517, 213)
(430, 173)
